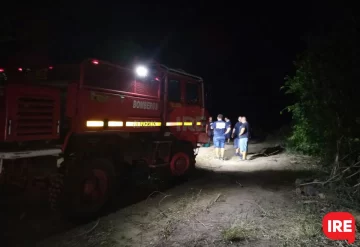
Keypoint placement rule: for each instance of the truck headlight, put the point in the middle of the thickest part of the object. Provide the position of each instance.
(141, 71)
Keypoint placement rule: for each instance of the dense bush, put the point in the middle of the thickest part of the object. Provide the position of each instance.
(326, 92)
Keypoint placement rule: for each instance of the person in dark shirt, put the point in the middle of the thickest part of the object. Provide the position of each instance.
(221, 128)
(228, 135)
(244, 138)
(209, 129)
(235, 133)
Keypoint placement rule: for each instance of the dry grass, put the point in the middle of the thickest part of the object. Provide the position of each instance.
(212, 213)
(182, 209)
(93, 234)
(244, 231)
(296, 226)
(299, 228)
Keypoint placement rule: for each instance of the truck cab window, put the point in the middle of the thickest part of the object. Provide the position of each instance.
(174, 91)
(192, 93)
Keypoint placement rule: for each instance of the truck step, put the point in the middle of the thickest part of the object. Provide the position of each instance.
(29, 153)
(161, 142)
(159, 165)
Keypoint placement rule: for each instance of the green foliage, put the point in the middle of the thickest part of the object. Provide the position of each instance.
(325, 88)
(303, 137)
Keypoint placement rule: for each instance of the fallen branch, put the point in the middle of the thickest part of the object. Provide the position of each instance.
(353, 174)
(356, 185)
(308, 202)
(162, 212)
(217, 198)
(163, 199)
(253, 202)
(275, 152)
(337, 176)
(352, 166)
(201, 223)
(319, 182)
(154, 193)
(87, 232)
(354, 151)
(239, 184)
(199, 193)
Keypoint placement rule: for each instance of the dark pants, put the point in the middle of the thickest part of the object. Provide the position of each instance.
(219, 141)
(211, 136)
(227, 136)
(236, 142)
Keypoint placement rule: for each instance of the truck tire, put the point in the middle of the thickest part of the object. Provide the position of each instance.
(87, 187)
(182, 161)
(55, 189)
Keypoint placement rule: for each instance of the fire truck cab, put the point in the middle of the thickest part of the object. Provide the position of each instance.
(82, 126)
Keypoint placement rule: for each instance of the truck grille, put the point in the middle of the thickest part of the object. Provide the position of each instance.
(35, 116)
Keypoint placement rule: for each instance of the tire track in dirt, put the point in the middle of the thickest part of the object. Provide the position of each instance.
(231, 203)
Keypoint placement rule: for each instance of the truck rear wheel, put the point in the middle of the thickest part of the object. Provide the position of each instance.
(87, 187)
(182, 160)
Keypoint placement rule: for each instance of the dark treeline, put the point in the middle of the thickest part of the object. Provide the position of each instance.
(326, 107)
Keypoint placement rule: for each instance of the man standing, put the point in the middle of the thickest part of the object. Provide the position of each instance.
(209, 129)
(244, 138)
(235, 133)
(221, 129)
(227, 137)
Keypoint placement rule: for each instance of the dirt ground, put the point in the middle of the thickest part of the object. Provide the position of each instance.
(226, 203)
(230, 203)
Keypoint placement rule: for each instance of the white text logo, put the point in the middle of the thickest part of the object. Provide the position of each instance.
(145, 105)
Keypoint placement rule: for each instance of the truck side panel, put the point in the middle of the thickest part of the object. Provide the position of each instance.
(3, 119)
(105, 111)
(31, 113)
(111, 98)
(119, 79)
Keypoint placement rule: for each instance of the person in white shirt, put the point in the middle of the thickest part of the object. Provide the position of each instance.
(221, 129)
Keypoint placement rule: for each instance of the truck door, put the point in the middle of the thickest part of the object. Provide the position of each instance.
(175, 103)
(193, 101)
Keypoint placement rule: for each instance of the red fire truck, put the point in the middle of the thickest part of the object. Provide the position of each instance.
(82, 126)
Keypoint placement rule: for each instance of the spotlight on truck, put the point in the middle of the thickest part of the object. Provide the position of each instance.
(141, 71)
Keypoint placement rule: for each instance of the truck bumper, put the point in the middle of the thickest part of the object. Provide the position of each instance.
(27, 154)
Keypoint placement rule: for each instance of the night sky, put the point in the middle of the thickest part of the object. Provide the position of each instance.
(243, 51)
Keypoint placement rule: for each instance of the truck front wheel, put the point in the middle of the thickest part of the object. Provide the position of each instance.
(182, 160)
(87, 187)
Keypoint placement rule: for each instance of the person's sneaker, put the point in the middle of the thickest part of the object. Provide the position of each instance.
(222, 158)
